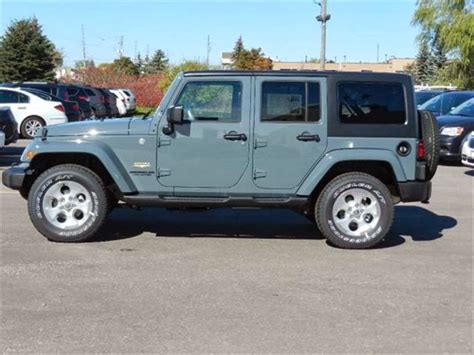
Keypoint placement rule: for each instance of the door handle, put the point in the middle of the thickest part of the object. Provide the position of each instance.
(22, 108)
(234, 136)
(307, 137)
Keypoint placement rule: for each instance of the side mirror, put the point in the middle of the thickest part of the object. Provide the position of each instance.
(175, 115)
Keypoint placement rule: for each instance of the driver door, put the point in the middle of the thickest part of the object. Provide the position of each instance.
(210, 150)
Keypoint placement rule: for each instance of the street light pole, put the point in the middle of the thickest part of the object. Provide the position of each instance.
(323, 18)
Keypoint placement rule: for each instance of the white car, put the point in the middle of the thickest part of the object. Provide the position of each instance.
(120, 100)
(130, 100)
(467, 153)
(30, 111)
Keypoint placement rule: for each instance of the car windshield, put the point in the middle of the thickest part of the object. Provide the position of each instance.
(465, 109)
(433, 104)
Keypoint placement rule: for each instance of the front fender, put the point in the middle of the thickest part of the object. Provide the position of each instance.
(341, 155)
(96, 148)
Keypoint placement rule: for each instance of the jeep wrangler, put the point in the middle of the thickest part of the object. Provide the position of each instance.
(341, 148)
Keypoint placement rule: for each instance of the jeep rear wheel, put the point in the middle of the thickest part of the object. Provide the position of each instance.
(430, 136)
(68, 203)
(354, 211)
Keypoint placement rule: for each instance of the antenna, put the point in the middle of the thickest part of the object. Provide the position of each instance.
(208, 49)
(83, 46)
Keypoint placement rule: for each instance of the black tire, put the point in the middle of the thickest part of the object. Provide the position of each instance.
(430, 136)
(98, 203)
(344, 184)
(29, 120)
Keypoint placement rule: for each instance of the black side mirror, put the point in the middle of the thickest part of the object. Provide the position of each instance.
(175, 115)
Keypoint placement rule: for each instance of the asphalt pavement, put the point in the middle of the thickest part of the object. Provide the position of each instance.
(241, 281)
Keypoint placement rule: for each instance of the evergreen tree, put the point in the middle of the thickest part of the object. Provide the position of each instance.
(124, 65)
(158, 63)
(238, 52)
(438, 52)
(26, 53)
(424, 65)
(140, 64)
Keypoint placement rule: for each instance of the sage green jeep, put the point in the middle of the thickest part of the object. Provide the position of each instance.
(341, 148)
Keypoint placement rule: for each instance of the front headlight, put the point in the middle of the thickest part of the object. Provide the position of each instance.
(452, 131)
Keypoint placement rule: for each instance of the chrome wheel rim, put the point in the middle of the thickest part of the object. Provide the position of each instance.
(67, 205)
(32, 126)
(356, 212)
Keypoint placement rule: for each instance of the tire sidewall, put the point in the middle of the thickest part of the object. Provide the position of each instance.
(35, 206)
(339, 238)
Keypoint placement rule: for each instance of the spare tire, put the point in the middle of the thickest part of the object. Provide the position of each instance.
(430, 136)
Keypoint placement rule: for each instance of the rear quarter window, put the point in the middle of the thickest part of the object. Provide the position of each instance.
(371, 103)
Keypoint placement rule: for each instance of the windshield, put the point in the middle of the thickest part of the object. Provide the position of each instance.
(433, 104)
(423, 96)
(465, 109)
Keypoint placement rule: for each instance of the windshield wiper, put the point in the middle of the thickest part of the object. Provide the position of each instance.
(145, 116)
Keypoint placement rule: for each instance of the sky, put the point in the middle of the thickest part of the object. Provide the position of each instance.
(285, 30)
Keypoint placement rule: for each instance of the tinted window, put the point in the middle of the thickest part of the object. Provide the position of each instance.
(423, 96)
(212, 101)
(8, 97)
(465, 109)
(452, 101)
(72, 91)
(371, 103)
(290, 102)
(22, 98)
(433, 105)
(89, 92)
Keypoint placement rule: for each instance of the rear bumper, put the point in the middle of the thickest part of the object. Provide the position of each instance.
(414, 191)
(14, 176)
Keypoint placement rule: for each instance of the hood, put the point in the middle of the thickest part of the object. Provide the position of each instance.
(116, 126)
(454, 120)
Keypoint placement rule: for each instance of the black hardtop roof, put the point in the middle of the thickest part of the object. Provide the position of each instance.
(286, 73)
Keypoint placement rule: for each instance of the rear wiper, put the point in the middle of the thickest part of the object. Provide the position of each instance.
(145, 116)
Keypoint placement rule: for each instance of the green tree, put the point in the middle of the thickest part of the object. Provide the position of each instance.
(424, 69)
(253, 59)
(453, 22)
(88, 63)
(158, 63)
(171, 72)
(124, 65)
(26, 53)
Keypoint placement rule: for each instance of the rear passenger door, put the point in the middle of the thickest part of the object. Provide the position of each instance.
(290, 132)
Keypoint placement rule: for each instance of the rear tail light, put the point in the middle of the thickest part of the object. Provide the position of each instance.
(420, 151)
(59, 108)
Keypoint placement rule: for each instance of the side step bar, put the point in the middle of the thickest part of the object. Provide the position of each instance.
(228, 201)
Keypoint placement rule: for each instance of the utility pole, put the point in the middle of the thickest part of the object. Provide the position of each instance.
(135, 51)
(323, 18)
(83, 47)
(120, 50)
(208, 49)
(378, 51)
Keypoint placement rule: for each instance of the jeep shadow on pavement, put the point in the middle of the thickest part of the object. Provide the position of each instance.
(340, 148)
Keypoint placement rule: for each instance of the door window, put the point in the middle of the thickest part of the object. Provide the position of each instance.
(8, 97)
(211, 101)
(290, 102)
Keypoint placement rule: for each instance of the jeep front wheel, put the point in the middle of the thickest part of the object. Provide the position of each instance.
(68, 203)
(354, 211)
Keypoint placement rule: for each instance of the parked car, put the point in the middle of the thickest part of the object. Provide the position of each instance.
(73, 111)
(454, 127)
(110, 102)
(467, 155)
(130, 100)
(8, 127)
(96, 100)
(425, 95)
(445, 102)
(120, 101)
(64, 92)
(341, 148)
(30, 111)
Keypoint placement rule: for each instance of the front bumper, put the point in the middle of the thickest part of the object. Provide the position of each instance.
(415, 191)
(450, 147)
(14, 176)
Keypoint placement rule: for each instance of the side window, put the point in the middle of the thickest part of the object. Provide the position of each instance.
(23, 99)
(8, 97)
(89, 92)
(377, 103)
(453, 101)
(211, 101)
(72, 91)
(290, 102)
